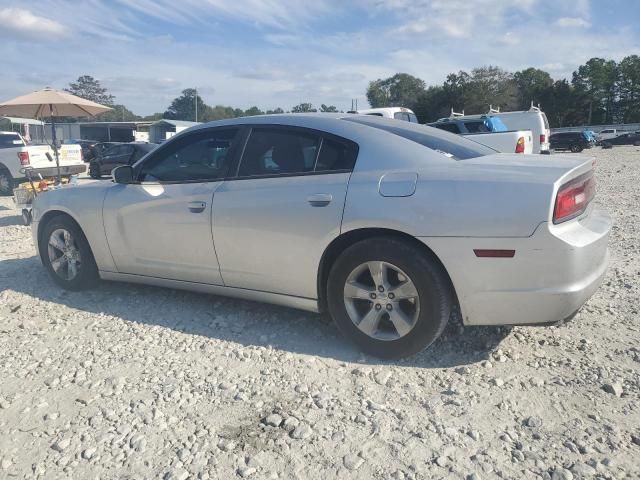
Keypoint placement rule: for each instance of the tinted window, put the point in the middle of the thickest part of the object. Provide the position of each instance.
(401, 116)
(413, 118)
(449, 127)
(336, 155)
(199, 157)
(272, 151)
(453, 146)
(476, 127)
(9, 140)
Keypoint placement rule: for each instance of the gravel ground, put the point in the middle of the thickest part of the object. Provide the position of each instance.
(138, 382)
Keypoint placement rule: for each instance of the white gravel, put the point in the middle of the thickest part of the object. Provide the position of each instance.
(138, 382)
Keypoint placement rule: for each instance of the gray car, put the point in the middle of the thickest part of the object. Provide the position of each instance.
(387, 225)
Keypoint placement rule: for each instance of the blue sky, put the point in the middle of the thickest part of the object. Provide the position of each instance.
(279, 53)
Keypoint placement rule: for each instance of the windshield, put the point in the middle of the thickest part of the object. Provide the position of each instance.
(445, 143)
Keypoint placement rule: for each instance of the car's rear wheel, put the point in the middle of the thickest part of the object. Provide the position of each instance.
(66, 254)
(6, 182)
(389, 297)
(576, 148)
(94, 170)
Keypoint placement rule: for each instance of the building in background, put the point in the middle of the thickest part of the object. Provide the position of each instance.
(164, 129)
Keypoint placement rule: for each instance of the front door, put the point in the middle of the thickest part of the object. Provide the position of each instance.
(273, 221)
(161, 226)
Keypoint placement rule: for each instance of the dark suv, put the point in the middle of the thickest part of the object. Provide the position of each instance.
(574, 141)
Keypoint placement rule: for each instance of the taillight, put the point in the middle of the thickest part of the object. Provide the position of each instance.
(520, 145)
(24, 158)
(543, 137)
(573, 198)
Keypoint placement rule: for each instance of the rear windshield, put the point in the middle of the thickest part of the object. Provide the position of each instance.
(10, 140)
(448, 144)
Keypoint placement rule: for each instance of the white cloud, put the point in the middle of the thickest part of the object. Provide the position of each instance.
(21, 22)
(573, 22)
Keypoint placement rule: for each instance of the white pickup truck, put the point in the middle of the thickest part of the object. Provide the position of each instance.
(15, 154)
(484, 131)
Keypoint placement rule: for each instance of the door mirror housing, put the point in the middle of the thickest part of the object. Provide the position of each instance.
(123, 174)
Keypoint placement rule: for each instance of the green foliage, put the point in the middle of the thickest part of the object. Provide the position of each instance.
(398, 91)
(629, 88)
(184, 107)
(120, 113)
(276, 111)
(328, 108)
(303, 108)
(253, 111)
(89, 88)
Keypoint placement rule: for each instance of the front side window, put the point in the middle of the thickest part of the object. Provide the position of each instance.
(204, 156)
(272, 151)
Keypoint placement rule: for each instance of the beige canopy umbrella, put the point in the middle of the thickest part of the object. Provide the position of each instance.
(49, 102)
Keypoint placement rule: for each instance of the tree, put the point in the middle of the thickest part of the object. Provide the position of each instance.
(432, 104)
(153, 117)
(184, 107)
(276, 111)
(597, 80)
(253, 111)
(89, 88)
(456, 89)
(400, 90)
(220, 112)
(533, 85)
(330, 108)
(303, 108)
(629, 88)
(490, 86)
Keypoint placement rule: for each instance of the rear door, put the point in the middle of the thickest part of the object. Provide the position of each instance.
(272, 222)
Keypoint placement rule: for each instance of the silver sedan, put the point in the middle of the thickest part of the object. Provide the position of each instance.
(387, 225)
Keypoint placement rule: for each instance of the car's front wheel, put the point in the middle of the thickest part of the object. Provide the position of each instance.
(6, 182)
(576, 148)
(66, 254)
(389, 297)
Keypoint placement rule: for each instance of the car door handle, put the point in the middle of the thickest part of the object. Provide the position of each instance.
(197, 207)
(320, 199)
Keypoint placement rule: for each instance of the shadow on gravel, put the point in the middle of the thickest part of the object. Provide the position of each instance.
(12, 220)
(243, 322)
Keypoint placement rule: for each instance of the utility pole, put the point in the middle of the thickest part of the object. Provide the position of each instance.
(196, 103)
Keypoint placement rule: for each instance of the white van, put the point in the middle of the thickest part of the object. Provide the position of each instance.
(533, 119)
(397, 113)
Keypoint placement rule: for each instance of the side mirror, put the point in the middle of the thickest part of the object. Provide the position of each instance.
(123, 174)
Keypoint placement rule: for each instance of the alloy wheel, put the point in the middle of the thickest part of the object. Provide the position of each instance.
(381, 300)
(64, 254)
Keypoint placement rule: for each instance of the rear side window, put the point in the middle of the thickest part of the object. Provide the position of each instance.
(336, 155)
(290, 151)
(278, 152)
(9, 140)
(452, 146)
(401, 116)
(476, 127)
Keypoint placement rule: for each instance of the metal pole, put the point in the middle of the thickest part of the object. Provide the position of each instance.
(55, 146)
(196, 103)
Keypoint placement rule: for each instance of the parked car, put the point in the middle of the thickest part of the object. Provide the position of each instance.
(396, 113)
(607, 134)
(488, 131)
(15, 154)
(121, 154)
(631, 138)
(387, 225)
(573, 141)
(101, 147)
(533, 119)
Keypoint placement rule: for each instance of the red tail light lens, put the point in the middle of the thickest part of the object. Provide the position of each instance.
(520, 145)
(573, 198)
(543, 137)
(24, 158)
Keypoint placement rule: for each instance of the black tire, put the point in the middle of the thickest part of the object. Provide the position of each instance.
(87, 271)
(26, 217)
(606, 145)
(431, 282)
(576, 148)
(94, 170)
(6, 182)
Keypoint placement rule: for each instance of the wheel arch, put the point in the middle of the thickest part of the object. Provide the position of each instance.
(345, 240)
